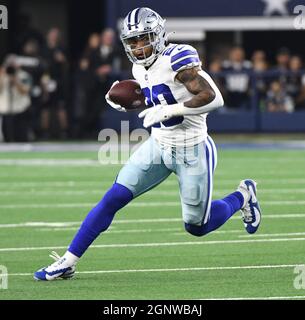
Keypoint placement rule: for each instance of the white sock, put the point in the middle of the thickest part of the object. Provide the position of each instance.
(70, 258)
(245, 194)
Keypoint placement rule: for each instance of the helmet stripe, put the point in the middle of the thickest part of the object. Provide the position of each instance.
(128, 19)
(132, 17)
(136, 17)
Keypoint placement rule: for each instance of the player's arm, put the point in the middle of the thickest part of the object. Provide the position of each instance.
(207, 98)
(197, 85)
(185, 63)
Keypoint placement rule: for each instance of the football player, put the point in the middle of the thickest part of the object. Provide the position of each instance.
(179, 95)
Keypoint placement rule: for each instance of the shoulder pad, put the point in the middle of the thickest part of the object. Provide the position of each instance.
(183, 56)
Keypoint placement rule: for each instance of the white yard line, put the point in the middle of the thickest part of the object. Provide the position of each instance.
(90, 183)
(170, 230)
(114, 231)
(139, 204)
(281, 190)
(85, 205)
(81, 192)
(283, 202)
(49, 162)
(273, 234)
(40, 224)
(279, 216)
(53, 193)
(77, 223)
(41, 184)
(159, 244)
(280, 266)
(60, 229)
(150, 193)
(106, 161)
(131, 221)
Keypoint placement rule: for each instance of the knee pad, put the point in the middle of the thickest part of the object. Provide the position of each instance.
(191, 195)
(191, 218)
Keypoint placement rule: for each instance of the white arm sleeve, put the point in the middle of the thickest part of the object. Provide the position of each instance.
(215, 104)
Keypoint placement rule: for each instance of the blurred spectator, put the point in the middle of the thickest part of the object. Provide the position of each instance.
(84, 80)
(104, 59)
(259, 61)
(282, 66)
(104, 68)
(238, 81)
(15, 85)
(282, 59)
(215, 67)
(92, 46)
(54, 84)
(31, 50)
(296, 82)
(278, 99)
(260, 66)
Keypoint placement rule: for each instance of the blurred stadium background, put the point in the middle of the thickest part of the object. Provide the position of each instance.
(69, 54)
(64, 55)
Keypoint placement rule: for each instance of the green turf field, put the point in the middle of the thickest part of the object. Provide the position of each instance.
(147, 254)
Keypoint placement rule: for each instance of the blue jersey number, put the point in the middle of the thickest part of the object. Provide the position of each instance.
(153, 100)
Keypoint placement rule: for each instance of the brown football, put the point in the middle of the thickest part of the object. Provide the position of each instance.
(128, 94)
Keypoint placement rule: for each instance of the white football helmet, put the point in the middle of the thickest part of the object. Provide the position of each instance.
(143, 23)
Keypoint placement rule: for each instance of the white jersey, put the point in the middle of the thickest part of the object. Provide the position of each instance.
(160, 87)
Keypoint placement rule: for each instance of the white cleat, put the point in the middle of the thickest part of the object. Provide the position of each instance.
(58, 269)
(251, 212)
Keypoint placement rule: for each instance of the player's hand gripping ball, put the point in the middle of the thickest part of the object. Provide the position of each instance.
(126, 95)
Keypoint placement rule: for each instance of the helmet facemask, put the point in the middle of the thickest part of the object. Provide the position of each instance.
(136, 53)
